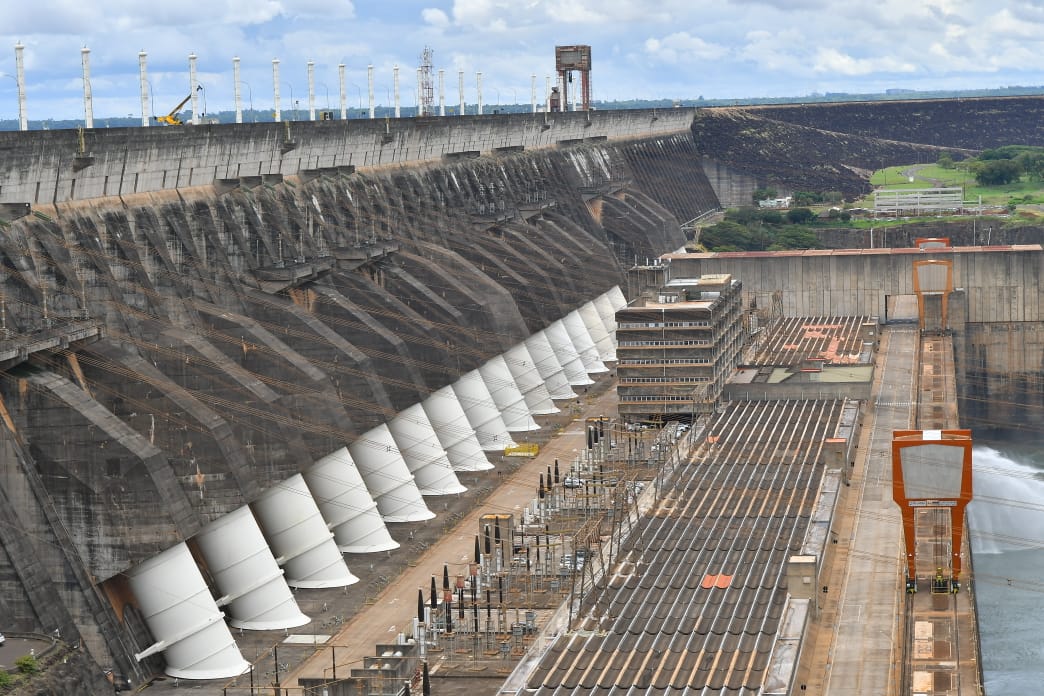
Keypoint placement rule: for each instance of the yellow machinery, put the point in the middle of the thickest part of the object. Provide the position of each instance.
(526, 449)
(172, 119)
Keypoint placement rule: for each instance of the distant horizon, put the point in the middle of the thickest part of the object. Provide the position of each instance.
(262, 115)
(730, 50)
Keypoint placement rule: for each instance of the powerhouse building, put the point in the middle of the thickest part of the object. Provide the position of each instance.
(677, 347)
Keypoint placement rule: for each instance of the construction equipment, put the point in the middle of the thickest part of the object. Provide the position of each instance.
(172, 119)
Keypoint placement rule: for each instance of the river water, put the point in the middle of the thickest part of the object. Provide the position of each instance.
(1006, 518)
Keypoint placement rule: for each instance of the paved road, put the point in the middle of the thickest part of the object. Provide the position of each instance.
(866, 631)
(15, 648)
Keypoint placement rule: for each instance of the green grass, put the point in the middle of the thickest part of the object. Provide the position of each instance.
(924, 176)
(932, 175)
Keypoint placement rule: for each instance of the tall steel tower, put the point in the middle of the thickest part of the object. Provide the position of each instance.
(425, 88)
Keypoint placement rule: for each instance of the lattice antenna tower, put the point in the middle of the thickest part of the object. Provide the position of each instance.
(426, 89)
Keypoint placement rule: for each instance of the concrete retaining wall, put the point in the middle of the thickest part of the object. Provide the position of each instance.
(1003, 284)
(57, 166)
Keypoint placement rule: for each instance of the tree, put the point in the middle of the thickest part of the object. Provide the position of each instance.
(725, 234)
(800, 216)
(945, 161)
(743, 216)
(772, 217)
(998, 172)
(762, 194)
(1032, 163)
(804, 198)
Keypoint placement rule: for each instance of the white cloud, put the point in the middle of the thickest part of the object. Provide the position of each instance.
(435, 17)
(831, 60)
(682, 48)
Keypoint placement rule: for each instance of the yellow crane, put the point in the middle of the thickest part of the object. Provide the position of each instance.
(172, 119)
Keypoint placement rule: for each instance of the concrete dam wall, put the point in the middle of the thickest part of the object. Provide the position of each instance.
(175, 354)
(67, 165)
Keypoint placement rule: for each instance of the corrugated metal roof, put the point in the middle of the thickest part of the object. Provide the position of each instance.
(741, 512)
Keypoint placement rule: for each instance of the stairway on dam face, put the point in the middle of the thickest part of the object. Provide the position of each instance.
(246, 333)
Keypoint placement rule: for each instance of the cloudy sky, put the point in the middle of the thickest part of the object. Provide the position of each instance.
(644, 49)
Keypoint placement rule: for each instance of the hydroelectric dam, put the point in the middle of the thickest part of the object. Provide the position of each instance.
(233, 353)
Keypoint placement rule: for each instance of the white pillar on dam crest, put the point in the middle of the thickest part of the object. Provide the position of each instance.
(342, 87)
(236, 97)
(369, 83)
(88, 99)
(442, 92)
(143, 80)
(193, 85)
(276, 106)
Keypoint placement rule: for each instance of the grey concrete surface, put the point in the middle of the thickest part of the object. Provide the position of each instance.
(51, 166)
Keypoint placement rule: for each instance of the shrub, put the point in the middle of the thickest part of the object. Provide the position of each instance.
(27, 664)
(998, 172)
(5, 680)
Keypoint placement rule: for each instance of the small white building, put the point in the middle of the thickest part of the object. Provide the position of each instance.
(776, 202)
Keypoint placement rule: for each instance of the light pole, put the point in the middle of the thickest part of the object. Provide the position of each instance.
(358, 94)
(294, 113)
(250, 96)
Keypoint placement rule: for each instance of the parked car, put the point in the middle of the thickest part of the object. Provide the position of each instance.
(2, 639)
